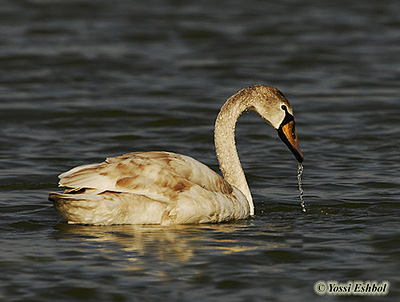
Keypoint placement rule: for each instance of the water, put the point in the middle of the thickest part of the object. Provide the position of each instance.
(301, 191)
(82, 80)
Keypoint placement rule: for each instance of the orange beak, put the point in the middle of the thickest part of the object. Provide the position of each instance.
(288, 135)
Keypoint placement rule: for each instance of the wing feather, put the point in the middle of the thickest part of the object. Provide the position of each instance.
(158, 175)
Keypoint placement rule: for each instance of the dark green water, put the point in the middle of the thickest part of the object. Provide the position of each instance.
(84, 80)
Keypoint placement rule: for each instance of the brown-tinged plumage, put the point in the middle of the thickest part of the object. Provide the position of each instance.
(168, 188)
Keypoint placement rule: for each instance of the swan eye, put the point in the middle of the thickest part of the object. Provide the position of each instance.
(284, 107)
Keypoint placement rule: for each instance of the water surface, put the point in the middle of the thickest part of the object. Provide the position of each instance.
(84, 80)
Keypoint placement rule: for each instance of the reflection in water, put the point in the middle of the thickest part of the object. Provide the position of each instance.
(177, 243)
(83, 79)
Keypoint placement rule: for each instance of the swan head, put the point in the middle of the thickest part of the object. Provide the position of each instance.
(274, 108)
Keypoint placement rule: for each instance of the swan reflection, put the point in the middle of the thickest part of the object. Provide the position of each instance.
(177, 243)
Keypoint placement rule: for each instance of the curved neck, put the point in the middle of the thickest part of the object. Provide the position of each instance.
(224, 137)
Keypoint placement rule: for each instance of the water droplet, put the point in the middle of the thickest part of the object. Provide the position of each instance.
(299, 173)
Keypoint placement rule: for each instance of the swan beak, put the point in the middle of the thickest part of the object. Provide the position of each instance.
(288, 135)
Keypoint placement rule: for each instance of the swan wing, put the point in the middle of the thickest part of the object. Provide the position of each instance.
(157, 175)
(149, 187)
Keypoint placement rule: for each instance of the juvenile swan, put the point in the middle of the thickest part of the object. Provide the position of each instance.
(168, 188)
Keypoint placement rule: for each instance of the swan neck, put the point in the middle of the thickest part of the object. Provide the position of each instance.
(225, 146)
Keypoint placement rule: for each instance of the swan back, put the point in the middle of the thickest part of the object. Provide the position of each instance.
(161, 187)
(138, 171)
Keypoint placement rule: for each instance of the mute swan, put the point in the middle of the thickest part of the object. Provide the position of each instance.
(168, 188)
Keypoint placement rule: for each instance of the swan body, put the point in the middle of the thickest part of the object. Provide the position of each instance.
(167, 188)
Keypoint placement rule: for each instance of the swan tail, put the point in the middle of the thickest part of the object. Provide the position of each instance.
(108, 208)
(78, 208)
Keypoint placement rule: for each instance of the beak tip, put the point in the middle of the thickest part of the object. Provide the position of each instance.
(299, 157)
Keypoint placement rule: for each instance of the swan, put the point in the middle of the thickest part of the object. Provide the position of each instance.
(168, 188)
